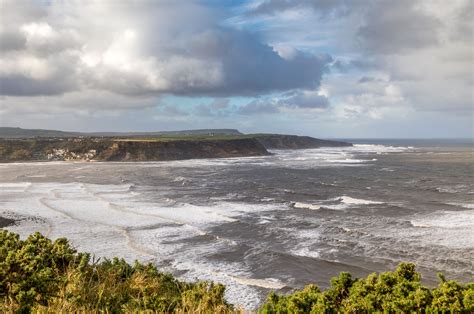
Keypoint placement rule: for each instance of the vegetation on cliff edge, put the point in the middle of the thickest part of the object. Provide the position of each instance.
(41, 275)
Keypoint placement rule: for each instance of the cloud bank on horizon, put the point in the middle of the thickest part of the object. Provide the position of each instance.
(339, 68)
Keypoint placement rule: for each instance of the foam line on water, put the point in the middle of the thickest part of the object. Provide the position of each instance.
(447, 220)
(268, 283)
(306, 206)
(357, 201)
(336, 203)
(129, 241)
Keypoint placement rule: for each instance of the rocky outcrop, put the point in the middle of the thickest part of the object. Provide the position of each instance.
(5, 222)
(278, 141)
(91, 149)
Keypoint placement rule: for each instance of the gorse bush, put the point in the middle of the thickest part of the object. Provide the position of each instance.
(39, 275)
(390, 292)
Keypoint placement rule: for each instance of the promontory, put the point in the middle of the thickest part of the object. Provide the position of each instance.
(48, 145)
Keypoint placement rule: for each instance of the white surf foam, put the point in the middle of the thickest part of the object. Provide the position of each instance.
(112, 220)
(269, 283)
(299, 159)
(14, 187)
(337, 203)
(379, 149)
(345, 202)
(357, 201)
(306, 252)
(306, 206)
(447, 220)
(453, 229)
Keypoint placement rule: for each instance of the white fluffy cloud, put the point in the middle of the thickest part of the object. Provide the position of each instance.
(425, 48)
(139, 48)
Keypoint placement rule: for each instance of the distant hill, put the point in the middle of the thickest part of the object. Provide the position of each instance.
(17, 133)
(7, 132)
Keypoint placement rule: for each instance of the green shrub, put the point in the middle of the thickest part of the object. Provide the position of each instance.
(390, 292)
(39, 275)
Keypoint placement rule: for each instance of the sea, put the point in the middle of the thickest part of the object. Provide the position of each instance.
(260, 224)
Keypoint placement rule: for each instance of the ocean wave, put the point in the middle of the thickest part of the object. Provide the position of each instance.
(447, 220)
(453, 189)
(306, 206)
(182, 180)
(463, 205)
(306, 252)
(357, 201)
(348, 161)
(336, 203)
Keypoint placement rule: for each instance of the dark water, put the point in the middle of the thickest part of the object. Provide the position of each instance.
(276, 222)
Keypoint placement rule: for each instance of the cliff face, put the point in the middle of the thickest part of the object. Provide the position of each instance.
(277, 141)
(126, 150)
(177, 150)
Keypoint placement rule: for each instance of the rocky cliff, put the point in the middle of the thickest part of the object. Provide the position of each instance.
(95, 149)
(182, 149)
(279, 141)
(153, 148)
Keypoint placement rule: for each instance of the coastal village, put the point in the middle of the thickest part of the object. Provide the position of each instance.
(66, 155)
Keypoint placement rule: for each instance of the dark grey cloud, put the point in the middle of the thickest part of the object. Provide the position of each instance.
(293, 100)
(369, 79)
(304, 99)
(171, 111)
(11, 40)
(218, 107)
(24, 74)
(365, 63)
(464, 29)
(392, 27)
(258, 107)
(17, 85)
(252, 67)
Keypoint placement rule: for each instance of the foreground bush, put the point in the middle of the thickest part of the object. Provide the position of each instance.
(38, 275)
(43, 276)
(390, 292)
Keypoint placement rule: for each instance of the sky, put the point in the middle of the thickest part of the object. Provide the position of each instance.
(324, 68)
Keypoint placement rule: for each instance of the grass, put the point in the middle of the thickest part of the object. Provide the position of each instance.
(40, 275)
(167, 138)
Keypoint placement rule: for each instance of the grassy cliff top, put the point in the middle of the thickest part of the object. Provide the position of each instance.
(170, 138)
